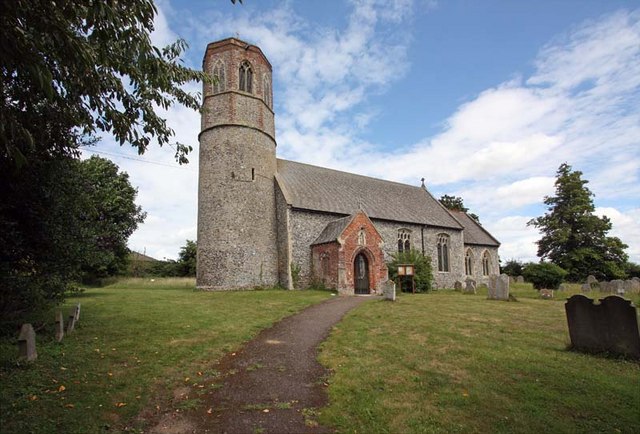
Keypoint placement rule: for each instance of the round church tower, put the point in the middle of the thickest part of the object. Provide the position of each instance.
(237, 239)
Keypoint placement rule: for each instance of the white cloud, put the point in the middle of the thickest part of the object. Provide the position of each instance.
(625, 226)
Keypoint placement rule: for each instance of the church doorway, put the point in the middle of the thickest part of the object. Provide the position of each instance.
(361, 274)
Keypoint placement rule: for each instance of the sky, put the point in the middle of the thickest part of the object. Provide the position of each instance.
(485, 100)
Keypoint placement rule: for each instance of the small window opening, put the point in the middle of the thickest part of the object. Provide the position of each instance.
(253, 174)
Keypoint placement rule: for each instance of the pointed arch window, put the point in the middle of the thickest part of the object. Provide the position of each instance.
(443, 252)
(468, 263)
(486, 262)
(266, 88)
(246, 77)
(404, 240)
(219, 77)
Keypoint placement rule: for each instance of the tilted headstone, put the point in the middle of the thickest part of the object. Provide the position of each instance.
(499, 288)
(457, 286)
(72, 322)
(27, 343)
(591, 279)
(470, 286)
(609, 326)
(389, 290)
(520, 279)
(59, 326)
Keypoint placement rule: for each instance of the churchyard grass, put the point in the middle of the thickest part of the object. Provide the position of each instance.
(451, 362)
(135, 340)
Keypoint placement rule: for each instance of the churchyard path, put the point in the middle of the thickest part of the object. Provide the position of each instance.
(273, 384)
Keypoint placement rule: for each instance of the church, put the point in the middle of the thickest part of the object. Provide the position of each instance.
(265, 221)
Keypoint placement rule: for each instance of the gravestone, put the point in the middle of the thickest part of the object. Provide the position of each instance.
(520, 279)
(616, 286)
(72, 322)
(609, 326)
(77, 312)
(499, 287)
(632, 286)
(591, 279)
(585, 287)
(59, 326)
(512, 280)
(546, 294)
(604, 286)
(457, 286)
(563, 287)
(389, 290)
(470, 286)
(27, 343)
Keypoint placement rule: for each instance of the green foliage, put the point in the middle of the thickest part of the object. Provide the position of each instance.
(70, 69)
(455, 203)
(573, 237)
(187, 259)
(544, 275)
(632, 269)
(423, 273)
(512, 267)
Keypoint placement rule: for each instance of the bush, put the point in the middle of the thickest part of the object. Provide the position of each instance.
(512, 268)
(544, 275)
(423, 273)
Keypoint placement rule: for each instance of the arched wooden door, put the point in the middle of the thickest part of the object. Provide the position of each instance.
(361, 274)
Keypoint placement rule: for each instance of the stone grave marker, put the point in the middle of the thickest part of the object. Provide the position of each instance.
(499, 287)
(457, 286)
(632, 286)
(389, 290)
(72, 322)
(27, 343)
(77, 312)
(59, 326)
(546, 294)
(585, 287)
(609, 326)
(616, 286)
(470, 286)
(520, 279)
(591, 279)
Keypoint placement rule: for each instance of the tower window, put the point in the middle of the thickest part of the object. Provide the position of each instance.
(468, 263)
(266, 89)
(404, 240)
(219, 77)
(246, 77)
(443, 252)
(485, 263)
(253, 174)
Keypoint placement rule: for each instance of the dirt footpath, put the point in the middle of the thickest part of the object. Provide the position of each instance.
(274, 384)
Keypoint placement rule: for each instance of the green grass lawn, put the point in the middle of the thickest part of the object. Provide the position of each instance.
(448, 362)
(135, 338)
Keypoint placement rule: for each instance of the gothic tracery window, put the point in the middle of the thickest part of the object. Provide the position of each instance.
(219, 77)
(266, 88)
(404, 240)
(246, 77)
(443, 252)
(485, 263)
(468, 263)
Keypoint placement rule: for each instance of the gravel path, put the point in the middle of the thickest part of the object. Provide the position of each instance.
(274, 384)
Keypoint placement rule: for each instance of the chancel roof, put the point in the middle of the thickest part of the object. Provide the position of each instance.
(474, 233)
(326, 190)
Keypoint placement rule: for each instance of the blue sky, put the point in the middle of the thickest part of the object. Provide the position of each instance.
(483, 99)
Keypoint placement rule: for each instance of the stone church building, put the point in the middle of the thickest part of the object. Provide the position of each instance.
(264, 221)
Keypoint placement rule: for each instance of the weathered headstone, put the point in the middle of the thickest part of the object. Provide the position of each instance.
(636, 278)
(609, 326)
(499, 287)
(77, 312)
(616, 286)
(603, 286)
(520, 279)
(512, 280)
(563, 287)
(591, 279)
(632, 286)
(27, 343)
(457, 285)
(546, 294)
(59, 326)
(389, 290)
(585, 287)
(72, 322)
(470, 286)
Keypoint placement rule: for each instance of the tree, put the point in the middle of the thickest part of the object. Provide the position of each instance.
(512, 268)
(455, 203)
(573, 237)
(544, 275)
(72, 68)
(423, 273)
(187, 259)
(113, 216)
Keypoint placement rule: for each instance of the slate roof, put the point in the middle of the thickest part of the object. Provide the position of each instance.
(326, 190)
(474, 233)
(333, 230)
